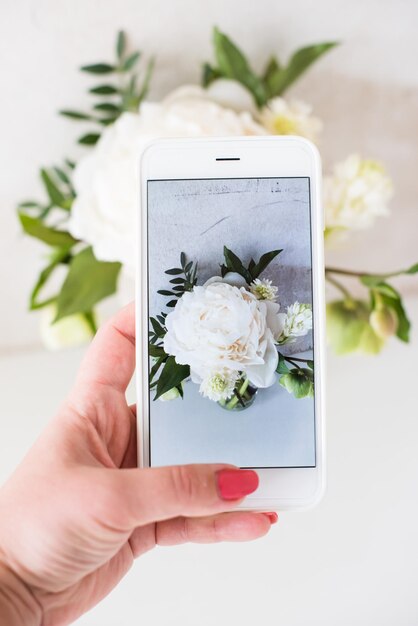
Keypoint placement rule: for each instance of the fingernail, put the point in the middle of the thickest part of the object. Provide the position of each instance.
(273, 517)
(234, 484)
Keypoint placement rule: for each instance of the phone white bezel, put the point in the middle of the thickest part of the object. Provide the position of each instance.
(279, 488)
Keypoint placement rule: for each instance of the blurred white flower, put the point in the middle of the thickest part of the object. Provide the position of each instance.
(263, 289)
(358, 191)
(219, 385)
(231, 94)
(297, 322)
(68, 332)
(107, 179)
(219, 326)
(280, 117)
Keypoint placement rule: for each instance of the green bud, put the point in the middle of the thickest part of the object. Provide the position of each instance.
(171, 394)
(384, 322)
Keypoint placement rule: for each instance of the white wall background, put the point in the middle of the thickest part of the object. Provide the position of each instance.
(354, 559)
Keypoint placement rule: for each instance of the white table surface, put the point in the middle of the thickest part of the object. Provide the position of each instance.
(352, 560)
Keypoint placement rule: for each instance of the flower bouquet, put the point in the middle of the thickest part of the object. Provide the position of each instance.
(226, 334)
(87, 219)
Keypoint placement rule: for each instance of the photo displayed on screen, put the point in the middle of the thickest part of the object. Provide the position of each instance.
(231, 353)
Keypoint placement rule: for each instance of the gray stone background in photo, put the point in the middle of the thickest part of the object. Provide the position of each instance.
(250, 216)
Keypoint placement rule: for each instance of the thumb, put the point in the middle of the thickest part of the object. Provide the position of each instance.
(135, 497)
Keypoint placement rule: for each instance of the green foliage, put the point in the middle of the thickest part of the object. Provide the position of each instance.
(348, 327)
(126, 92)
(88, 281)
(233, 64)
(185, 279)
(390, 297)
(35, 227)
(234, 264)
(299, 381)
(172, 375)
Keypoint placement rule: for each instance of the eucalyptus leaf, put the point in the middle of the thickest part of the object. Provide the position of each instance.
(90, 139)
(98, 68)
(130, 61)
(88, 281)
(120, 44)
(75, 115)
(104, 90)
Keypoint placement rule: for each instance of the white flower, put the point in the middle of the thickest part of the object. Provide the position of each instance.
(220, 326)
(68, 332)
(297, 322)
(107, 180)
(280, 117)
(231, 94)
(263, 289)
(358, 191)
(219, 385)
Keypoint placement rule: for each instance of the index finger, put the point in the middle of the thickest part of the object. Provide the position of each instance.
(110, 359)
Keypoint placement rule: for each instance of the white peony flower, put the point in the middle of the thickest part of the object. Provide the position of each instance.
(358, 191)
(280, 117)
(107, 181)
(219, 326)
(219, 385)
(70, 332)
(231, 94)
(297, 322)
(263, 289)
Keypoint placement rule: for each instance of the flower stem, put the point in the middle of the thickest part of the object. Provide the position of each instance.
(336, 270)
(293, 361)
(238, 395)
(338, 285)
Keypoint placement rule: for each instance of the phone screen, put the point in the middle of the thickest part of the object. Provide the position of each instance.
(231, 354)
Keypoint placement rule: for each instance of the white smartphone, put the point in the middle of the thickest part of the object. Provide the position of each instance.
(230, 316)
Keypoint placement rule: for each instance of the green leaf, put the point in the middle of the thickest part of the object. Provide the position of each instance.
(298, 64)
(263, 263)
(157, 328)
(62, 256)
(174, 271)
(62, 175)
(34, 227)
(310, 364)
(156, 351)
(29, 204)
(299, 382)
(270, 75)
(88, 281)
(120, 44)
(104, 90)
(233, 64)
(281, 366)
(412, 270)
(90, 139)
(107, 106)
(164, 292)
(130, 61)
(146, 82)
(209, 74)
(171, 376)
(234, 264)
(98, 68)
(54, 193)
(75, 115)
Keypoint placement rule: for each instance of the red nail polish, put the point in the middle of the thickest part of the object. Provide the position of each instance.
(273, 517)
(234, 484)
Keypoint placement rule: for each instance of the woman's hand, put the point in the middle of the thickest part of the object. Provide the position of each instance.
(77, 511)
